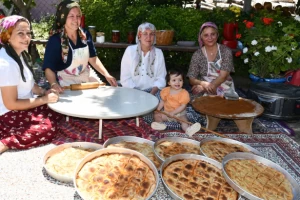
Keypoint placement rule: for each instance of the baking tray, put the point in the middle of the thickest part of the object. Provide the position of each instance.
(230, 141)
(116, 150)
(241, 191)
(55, 150)
(184, 157)
(173, 139)
(119, 139)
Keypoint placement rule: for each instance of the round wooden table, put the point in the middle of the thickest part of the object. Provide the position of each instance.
(241, 111)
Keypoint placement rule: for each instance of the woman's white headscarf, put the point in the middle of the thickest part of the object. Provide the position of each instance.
(138, 56)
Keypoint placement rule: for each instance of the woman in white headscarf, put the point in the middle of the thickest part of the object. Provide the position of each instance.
(143, 65)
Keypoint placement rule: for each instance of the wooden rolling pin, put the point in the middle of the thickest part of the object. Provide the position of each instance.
(84, 86)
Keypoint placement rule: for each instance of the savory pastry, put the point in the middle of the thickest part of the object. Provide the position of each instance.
(116, 176)
(167, 148)
(217, 150)
(196, 179)
(65, 162)
(144, 148)
(260, 180)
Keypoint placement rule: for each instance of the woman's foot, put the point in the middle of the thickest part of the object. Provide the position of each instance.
(191, 130)
(3, 147)
(158, 126)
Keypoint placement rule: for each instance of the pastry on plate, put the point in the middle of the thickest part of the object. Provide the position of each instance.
(258, 179)
(144, 148)
(65, 161)
(197, 179)
(115, 176)
(166, 149)
(217, 150)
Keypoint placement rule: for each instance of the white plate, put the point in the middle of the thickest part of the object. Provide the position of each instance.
(55, 150)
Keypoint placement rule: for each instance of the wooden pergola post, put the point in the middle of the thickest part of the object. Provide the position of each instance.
(247, 6)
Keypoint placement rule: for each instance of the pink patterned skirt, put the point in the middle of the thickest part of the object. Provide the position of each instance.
(28, 128)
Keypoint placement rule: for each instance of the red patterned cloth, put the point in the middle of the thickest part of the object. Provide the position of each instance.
(79, 130)
(28, 128)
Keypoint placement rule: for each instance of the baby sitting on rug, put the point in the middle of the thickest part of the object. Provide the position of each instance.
(174, 100)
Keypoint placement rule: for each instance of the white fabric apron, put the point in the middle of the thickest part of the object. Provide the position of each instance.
(79, 71)
(213, 72)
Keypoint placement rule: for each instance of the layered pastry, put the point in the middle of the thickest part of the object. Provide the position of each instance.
(144, 148)
(196, 179)
(260, 180)
(65, 162)
(116, 176)
(168, 148)
(217, 150)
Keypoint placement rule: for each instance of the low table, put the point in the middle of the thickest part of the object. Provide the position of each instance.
(105, 103)
(241, 111)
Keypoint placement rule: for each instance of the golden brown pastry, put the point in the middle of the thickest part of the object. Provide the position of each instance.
(144, 148)
(217, 150)
(65, 162)
(260, 180)
(195, 179)
(168, 148)
(116, 176)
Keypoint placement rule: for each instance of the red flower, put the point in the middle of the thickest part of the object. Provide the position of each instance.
(237, 54)
(249, 24)
(245, 21)
(2, 16)
(238, 36)
(267, 21)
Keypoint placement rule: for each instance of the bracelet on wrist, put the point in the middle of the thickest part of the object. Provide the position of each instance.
(52, 84)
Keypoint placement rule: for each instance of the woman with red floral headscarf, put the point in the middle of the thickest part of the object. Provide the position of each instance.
(210, 66)
(25, 121)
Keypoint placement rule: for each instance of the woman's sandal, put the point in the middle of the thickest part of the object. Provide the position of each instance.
(158, 126)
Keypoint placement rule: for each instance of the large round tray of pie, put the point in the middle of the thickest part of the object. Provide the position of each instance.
(257, 178)
(190, 176)
(116, 173)
(169, 146)
(61, 161)
(217, 148)
(141, 145)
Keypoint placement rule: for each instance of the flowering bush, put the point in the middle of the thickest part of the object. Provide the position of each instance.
(271, 44)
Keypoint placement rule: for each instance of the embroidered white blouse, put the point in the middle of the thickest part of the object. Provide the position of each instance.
(142, 81)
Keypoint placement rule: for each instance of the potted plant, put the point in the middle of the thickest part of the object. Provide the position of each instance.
(271, 45)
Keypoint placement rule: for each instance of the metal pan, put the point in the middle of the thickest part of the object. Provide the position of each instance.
(229, 141)
(116, 140)
(240, 190)
(55, 150)
(174, 139)
(100, 152)
(184, 157)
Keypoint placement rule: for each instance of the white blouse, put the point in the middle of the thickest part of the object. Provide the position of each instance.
(142, 81)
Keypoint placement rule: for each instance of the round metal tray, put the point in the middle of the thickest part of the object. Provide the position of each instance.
(116, 150)
(240, 190)
(185, 157)
(230, 141)
(55, 150)
(174, 139)
(119, 139)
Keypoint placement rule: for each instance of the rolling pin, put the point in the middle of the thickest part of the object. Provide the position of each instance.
(84, 86)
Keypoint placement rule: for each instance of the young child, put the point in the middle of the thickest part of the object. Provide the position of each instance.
(174, 100)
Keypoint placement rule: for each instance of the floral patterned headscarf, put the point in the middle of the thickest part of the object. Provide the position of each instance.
(5, 24)
(206, 24)
(62, 12)
(138, 56)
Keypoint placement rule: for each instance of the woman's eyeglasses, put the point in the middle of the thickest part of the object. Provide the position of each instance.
(150, 34)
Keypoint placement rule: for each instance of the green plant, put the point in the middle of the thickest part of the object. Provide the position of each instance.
(271, 45)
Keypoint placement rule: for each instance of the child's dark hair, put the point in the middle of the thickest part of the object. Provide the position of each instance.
(176, 72)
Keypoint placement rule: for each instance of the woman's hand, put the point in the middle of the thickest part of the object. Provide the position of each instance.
(196, 89)
(51, 97)
(56, 87)
(210, 88)
(111, 80)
